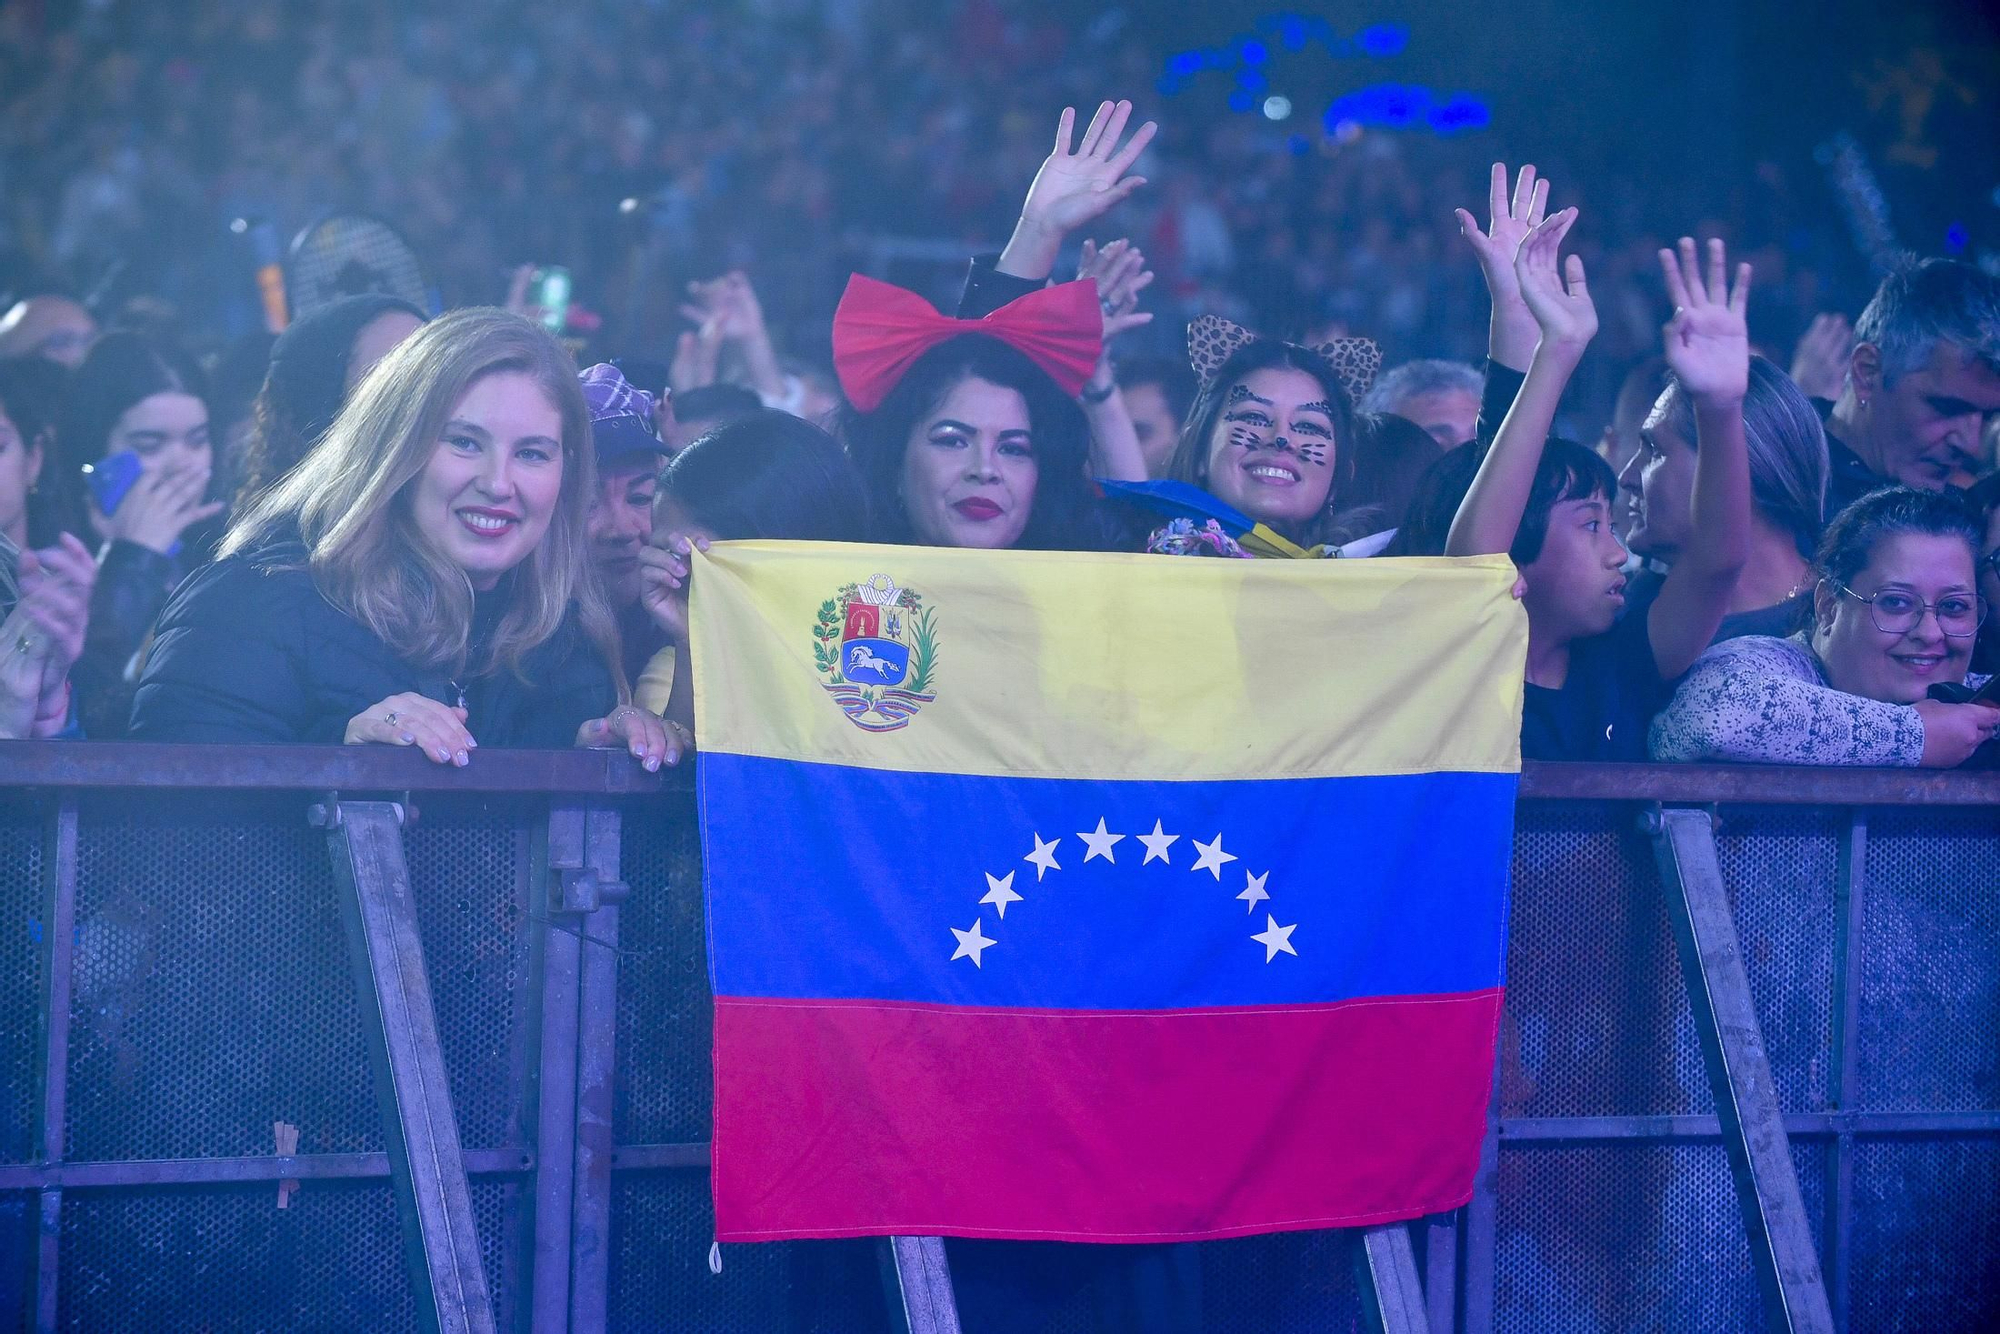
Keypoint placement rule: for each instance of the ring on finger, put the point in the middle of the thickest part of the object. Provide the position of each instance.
(390, 717)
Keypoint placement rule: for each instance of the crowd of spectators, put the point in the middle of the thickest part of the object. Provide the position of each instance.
(430, 491)
(797, 141)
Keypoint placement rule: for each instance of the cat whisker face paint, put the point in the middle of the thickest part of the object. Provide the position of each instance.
(1274, 449)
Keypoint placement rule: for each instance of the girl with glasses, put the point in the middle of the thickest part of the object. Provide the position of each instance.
(1896, 610)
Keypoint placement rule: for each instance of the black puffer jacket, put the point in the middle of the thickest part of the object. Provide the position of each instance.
(248, 651)
(132, 586)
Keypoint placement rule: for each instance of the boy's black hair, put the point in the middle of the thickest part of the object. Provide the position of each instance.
(1568, 472)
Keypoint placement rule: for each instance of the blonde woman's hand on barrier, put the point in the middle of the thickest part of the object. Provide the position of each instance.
(416, 720)
(651, 739)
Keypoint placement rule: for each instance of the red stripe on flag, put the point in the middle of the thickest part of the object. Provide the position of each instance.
(863, 1118)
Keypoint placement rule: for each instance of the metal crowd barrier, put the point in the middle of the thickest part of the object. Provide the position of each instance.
(330, 1039)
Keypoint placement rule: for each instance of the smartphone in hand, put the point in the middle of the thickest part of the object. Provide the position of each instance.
(110, 479)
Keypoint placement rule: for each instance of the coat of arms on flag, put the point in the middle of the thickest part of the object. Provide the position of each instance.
(1140, 934)
(877, 646)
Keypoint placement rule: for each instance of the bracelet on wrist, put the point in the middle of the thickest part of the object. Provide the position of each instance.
(1091, 394)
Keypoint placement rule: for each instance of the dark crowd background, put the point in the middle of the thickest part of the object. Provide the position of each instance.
(643, 143)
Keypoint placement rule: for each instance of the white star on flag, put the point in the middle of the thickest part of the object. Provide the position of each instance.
(1273, 938)
(1157, 844)
(970, 943)
(1099, 843)
(1212, 857)
(1253, 892)
(1043, 857)
(1000, 893)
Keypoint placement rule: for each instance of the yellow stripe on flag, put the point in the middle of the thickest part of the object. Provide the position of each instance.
(1106, 666)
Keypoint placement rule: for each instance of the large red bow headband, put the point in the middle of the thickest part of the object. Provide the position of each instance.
(880, 330)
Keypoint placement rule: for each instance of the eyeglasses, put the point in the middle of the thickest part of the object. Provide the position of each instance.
(1897, 613)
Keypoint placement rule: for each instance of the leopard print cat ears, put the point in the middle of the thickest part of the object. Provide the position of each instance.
(1212, 340)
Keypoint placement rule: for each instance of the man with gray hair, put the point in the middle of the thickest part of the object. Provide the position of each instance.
(1922, 381)
(1440, 396)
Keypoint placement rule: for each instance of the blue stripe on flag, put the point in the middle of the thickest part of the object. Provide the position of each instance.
(858, 884)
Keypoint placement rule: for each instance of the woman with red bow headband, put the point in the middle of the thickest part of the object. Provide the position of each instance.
(967, 430)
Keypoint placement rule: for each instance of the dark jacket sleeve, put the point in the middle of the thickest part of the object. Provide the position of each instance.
(987, 289)
(132, 586)
(227, 663)
(1503, 385)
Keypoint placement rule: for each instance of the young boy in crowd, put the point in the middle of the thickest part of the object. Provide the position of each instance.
(1593, 681)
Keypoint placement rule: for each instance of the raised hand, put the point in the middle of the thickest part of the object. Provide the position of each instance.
(43, 636)
(1707, 340)
(697, 354)
(161, 505)
(1510, 221)
(1819, 362)
(1121, 274)
(1512, 334)
(1074, 186)
(1555, 294)
(726, 310)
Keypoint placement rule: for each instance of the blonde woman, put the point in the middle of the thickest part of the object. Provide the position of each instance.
(420, 579)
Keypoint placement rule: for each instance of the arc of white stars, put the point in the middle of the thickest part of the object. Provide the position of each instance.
(1157, 844)
(1212, 857)
(1099, 843)
(973, 942)
(1253, 891)
(1000, 892)
(1043, 857)
(1274, 938)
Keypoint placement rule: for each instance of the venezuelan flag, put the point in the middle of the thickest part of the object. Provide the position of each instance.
(1101, 897)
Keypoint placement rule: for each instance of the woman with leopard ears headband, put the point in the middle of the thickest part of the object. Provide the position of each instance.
(1270, 437)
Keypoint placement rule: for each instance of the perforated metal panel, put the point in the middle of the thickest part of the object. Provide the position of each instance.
(212, 994)
(469, 866)
(18, 1216)
(228, 1257)
(21, 979)
(1611, 1237)
(1781, 865)
(1593, 993)
(1930, 981)
(662, 1226)
(665, 1013)
(1927, 1236)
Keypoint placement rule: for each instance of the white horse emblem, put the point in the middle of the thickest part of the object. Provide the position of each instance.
(862, 658)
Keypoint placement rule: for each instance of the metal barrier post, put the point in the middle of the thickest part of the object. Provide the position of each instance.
(440, 1241)
(560, 848)
(918, 1279)
(1392, 1296)
(1739, 1072)
(58, 961)
(596, 891)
